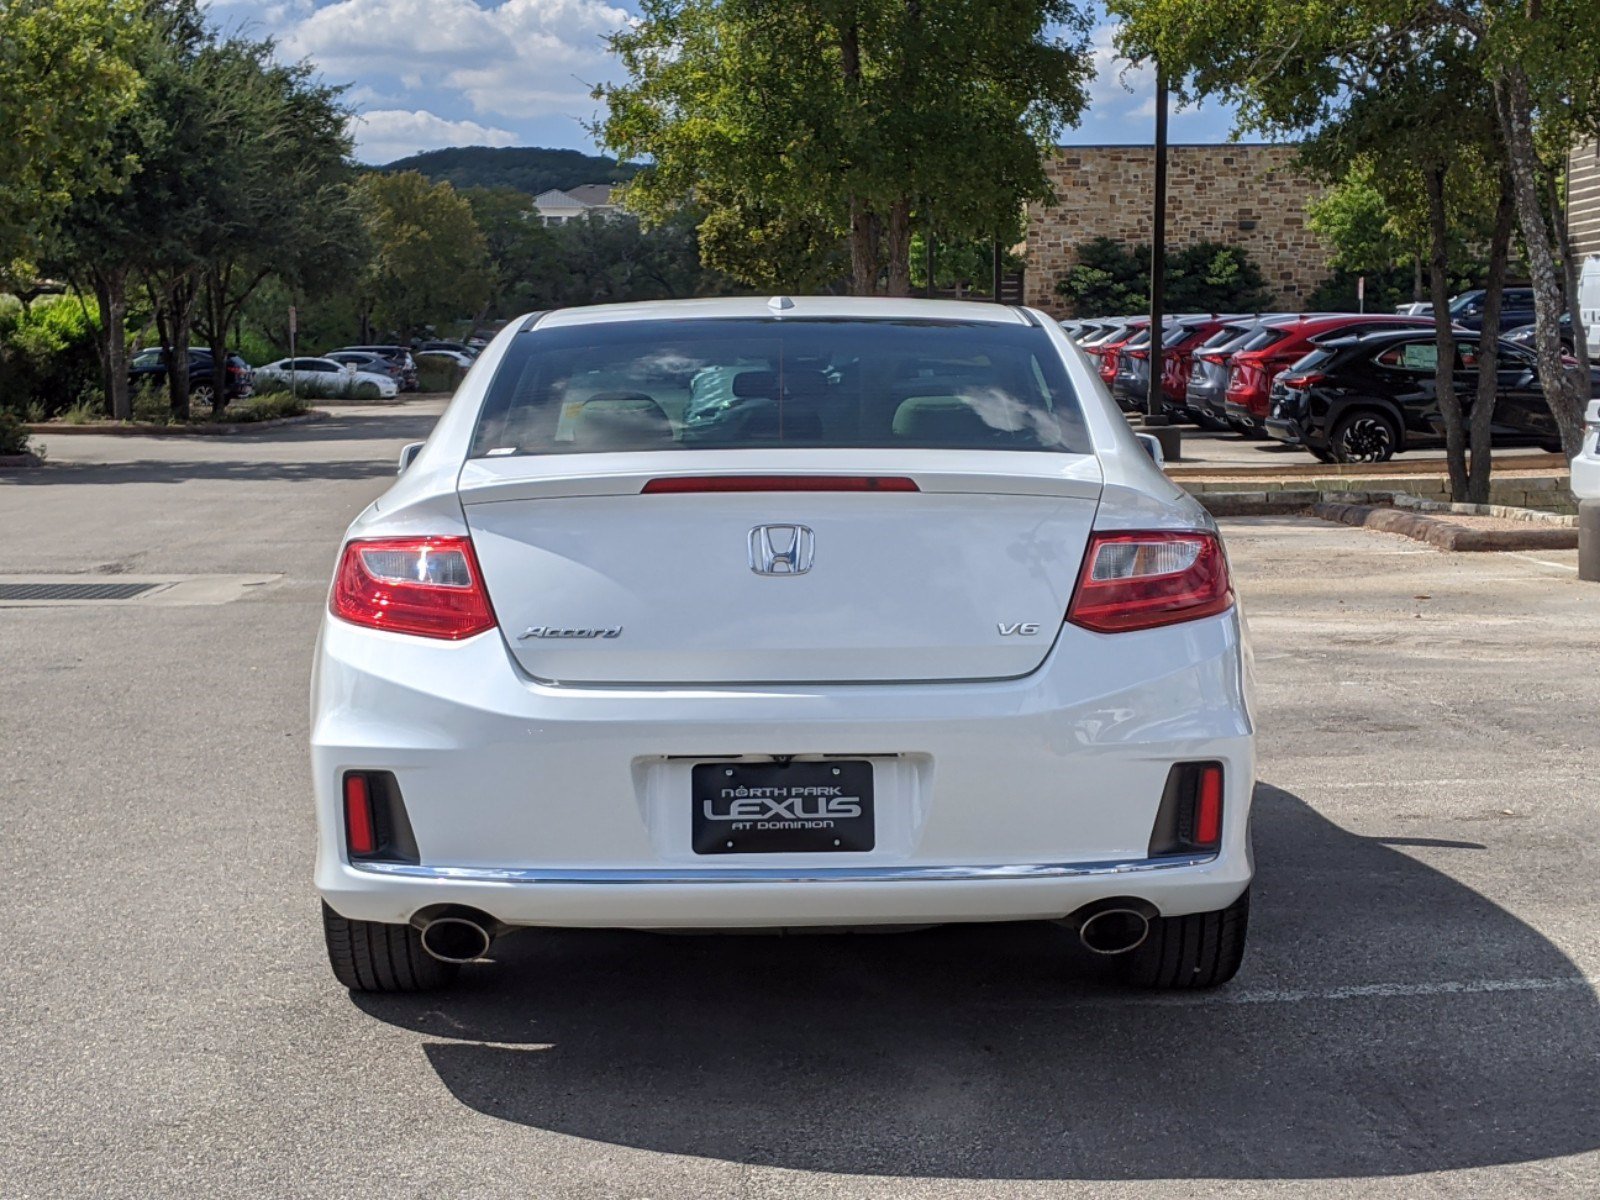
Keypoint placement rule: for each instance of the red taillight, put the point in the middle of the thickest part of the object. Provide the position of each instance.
(780, 483)
(1313, 379)
(358, 833)
(1143, 580)
(1208, 807)
(426, 586)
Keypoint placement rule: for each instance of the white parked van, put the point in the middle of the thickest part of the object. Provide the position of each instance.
(1589, 304)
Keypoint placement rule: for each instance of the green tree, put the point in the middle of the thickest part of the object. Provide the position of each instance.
(278, 202)
(121, 227)
(1528, 70)
(856, 121)
(521, 251)
(429, 262)
(1111, 278)
(66, 80)
(1414, 107)
(1353, 219)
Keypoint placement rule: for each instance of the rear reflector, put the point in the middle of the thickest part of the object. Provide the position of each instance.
(430, 587)
(1208, 807)
(1189, 819)
(1144, 580)
(780, 483)
(358, 833)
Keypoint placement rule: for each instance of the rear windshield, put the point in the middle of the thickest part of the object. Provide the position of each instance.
(1262, 338)
(749, 383)
(1228, 333)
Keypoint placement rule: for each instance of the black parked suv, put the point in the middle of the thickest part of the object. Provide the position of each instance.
(1516, 308)
(150, 366)
(1364, 399)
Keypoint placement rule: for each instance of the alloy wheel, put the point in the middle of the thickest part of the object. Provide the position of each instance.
(1366, 439)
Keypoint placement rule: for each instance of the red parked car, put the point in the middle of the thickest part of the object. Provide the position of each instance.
(1107, 350)
(1251, 372)
(1177, 363)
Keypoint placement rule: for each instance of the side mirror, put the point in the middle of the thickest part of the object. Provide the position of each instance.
(1152, 447)
(408, 456)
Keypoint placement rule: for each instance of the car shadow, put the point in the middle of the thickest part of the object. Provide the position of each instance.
(1389, 1020)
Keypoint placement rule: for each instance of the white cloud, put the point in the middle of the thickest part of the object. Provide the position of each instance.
(1122, 95)
(385, 134)
(519, 59)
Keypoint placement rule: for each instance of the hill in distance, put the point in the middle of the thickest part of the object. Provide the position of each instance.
(531, 169)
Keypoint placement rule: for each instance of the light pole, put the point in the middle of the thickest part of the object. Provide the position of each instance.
(1158, 254)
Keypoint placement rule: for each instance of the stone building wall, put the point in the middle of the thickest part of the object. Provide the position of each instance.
(1241, 195)
(1583, 200)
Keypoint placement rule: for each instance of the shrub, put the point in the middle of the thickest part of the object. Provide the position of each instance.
(320, 387)
(13, 437)
(438, 375)
(267, 406)
(1112, 278)
(47, 354)
(151, 403)
(84, 412)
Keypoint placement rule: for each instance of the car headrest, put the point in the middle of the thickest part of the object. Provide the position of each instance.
(622, 419)
(941, 421)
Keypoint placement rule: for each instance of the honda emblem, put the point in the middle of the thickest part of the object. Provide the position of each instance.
(781, 549)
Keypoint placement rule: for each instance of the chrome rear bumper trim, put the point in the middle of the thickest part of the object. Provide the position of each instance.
(519, 876)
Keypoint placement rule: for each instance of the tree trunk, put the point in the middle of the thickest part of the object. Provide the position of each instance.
(1444, 372)
(863, 221)
(174, 300)
(111, 293)
(1489, 346)
(214, 303)
(1569, 263)
(899, 283)
(1566, 391)
(863, 249)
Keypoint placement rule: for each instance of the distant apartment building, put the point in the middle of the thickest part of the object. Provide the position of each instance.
(1245, 195)
(1583, 200)
(560, 205)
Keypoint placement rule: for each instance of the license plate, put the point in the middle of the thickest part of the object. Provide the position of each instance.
(782, 808)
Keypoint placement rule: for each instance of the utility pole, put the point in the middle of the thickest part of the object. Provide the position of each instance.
(1158, 254)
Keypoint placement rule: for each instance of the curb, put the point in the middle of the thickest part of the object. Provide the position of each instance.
(1442, 533)
(118, 429)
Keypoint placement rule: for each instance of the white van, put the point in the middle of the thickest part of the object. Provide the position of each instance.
(1589, 304)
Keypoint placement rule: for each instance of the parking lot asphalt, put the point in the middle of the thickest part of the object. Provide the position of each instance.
(1416, 1016)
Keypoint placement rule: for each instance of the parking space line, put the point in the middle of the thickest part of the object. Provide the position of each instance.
(1542, 562)
(1358, 991)
(1477, 781)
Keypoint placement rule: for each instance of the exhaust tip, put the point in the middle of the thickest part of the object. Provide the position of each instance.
(456, 939)
(1114, 930)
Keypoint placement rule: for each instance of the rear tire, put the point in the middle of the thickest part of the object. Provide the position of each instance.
(369, 956)
(1201, 950)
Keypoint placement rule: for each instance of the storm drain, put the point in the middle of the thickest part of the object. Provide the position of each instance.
(74, 591)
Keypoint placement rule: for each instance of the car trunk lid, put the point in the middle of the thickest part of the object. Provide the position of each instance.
(596, 580)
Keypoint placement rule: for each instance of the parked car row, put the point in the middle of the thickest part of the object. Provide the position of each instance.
(390, 368)
(1348, 387)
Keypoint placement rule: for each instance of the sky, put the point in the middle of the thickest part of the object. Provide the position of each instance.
(425, 74)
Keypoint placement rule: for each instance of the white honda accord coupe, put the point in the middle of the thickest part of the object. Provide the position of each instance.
(750, 613)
